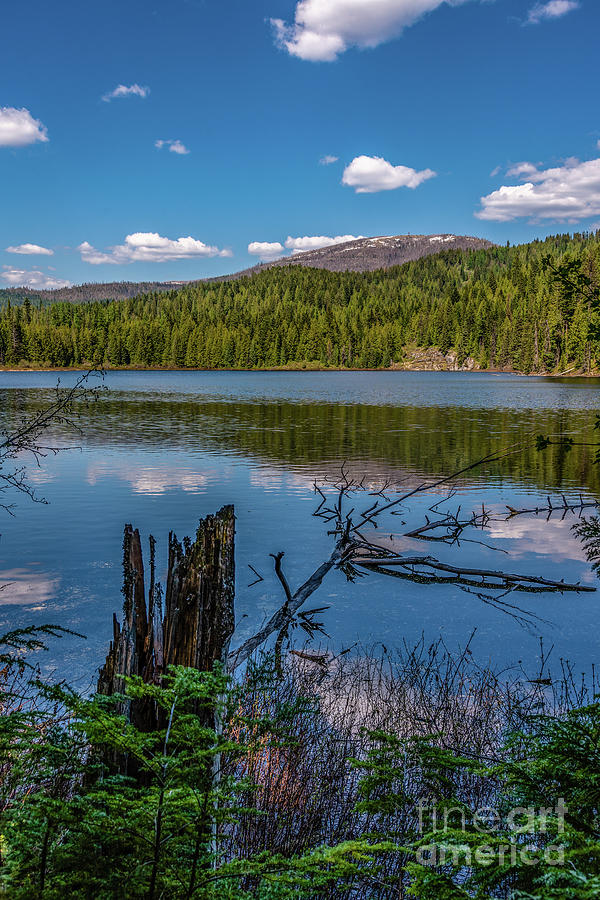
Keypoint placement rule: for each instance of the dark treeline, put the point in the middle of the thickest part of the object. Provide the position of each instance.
(499, 306)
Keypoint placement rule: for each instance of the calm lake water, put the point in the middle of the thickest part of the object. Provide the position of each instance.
(160, 450)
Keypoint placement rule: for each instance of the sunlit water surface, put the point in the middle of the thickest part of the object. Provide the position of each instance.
(160, 450)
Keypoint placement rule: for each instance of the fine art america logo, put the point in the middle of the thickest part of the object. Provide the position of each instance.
(522, 836)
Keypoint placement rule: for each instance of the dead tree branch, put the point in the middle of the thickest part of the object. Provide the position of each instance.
(290, 607)
(354, 552)
(550, 508)
(287, 618)
(463, 574)
(26, 438)
(370, 515)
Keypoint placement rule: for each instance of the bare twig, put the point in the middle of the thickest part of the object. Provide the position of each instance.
(290, 607)
(26, 438)
(494, 456)
(258, 576)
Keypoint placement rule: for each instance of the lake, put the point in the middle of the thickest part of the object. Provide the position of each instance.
(162, 449)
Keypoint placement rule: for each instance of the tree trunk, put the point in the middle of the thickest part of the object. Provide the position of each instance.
(198, 619)
(199, 601)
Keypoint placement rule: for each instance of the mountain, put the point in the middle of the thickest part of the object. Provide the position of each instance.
(362, 255)
(369, 254)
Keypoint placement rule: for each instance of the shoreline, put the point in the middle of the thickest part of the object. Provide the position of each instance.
(304, 369)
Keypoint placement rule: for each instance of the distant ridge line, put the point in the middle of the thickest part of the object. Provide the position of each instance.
(361, 255)
(371, 253)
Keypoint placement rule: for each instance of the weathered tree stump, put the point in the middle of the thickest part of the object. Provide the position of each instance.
(198, 620)
(199, 602)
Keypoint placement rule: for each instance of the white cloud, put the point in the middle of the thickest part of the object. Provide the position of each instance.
(566, 193)
(41, 281)
(18, 128)
(552, 10)
(152, 480)
(30, 250)
(545, 537)
(269, 251)
(323, 29)
(265, 250)
(328, 160)
(369, 174)
(23, 586)
(174, 147)
(149, 247)
(302, 244)
(123, 90)
(520, 170)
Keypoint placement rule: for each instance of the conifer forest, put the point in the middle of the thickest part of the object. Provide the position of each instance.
(501, 307)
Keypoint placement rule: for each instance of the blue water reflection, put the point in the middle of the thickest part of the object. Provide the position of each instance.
(162, 449)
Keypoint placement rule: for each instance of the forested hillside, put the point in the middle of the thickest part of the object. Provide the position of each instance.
(500, 306)
(83, 293)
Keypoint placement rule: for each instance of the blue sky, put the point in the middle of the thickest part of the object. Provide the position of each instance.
(229, 114)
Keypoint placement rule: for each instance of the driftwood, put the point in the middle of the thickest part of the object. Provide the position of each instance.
(563, 507)
(292, 604)
(198, 620)
(362, 555)
(369, 516)
(464, 575)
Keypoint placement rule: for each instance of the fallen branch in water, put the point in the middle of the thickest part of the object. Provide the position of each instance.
(279, 619)
(451, 525)
(258, 578)
(464, 575)
(563, 507)
(369, 516)
(447, 528)
(524, 617)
